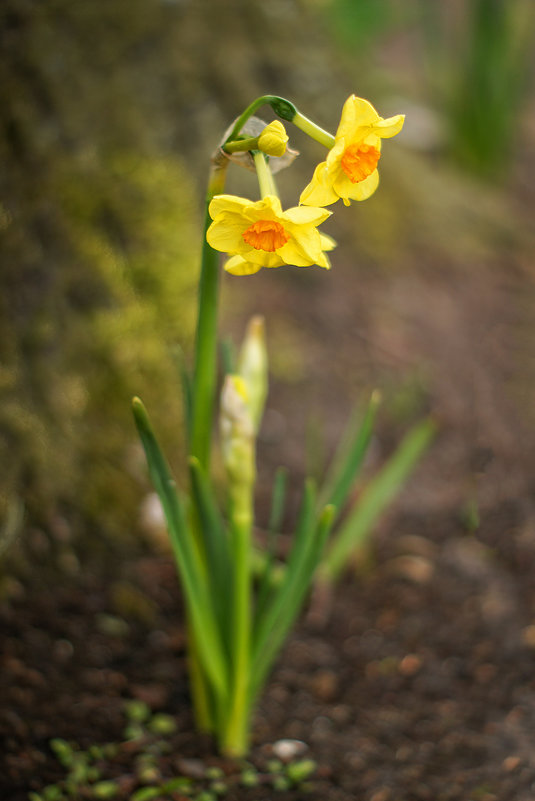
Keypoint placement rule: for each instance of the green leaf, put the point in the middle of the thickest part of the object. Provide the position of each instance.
(105, 789)
(146, 794)
(63, 750)
(137, 711)
(287, 602)
(215, 543)
(349, 456)
(162, 724)
(376, 496)
(194, 583)
(275, 520)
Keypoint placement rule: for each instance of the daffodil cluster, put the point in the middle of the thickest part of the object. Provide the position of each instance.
(258, 234)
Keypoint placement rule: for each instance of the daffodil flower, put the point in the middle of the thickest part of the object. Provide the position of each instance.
(260, 234)
(350, 170)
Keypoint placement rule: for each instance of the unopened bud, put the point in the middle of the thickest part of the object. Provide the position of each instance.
(273, 139)
(237, 431)
(252, 367)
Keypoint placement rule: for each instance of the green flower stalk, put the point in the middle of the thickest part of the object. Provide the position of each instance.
(241, 603)
(238, 450)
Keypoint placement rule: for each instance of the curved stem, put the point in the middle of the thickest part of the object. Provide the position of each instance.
(319, 134)
(282, 108)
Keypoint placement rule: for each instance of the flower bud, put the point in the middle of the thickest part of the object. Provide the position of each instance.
(252, 367)
(237, 432)
(273, 139)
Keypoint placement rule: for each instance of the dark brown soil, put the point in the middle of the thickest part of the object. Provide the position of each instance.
(415, 681)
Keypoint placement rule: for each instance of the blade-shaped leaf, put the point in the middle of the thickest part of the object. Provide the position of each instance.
(376, 496)
(349, 457)
(215, 544)
(195, 590)
(275, 520)
(289, 600)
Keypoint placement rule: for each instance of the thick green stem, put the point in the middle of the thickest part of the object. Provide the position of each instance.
(235, 737)
(205, 369)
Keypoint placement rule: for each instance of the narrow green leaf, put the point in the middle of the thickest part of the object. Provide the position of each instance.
(204, 624)
(376, 496)
(275, 520)
(289, 601)
(349, 456)
(305, 524)
(215, 543)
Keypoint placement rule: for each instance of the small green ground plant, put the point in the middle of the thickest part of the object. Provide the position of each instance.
(240, 604)
(140, 767)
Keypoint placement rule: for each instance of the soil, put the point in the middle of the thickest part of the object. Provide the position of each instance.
(414, 680)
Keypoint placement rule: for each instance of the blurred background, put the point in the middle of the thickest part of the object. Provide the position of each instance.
(109, 112)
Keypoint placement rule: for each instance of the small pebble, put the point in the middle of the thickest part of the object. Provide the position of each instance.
(194, 768)
(287, 750)
(324, 685)
(410, 665)
(381, 795)
(511, 763)
(417, 569)
(528, 636)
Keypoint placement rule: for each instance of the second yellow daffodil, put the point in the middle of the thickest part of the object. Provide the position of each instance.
(350, 169)
(260, 234)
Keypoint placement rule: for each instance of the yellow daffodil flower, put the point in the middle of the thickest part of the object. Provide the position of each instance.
(273, 139)
(350, 170)
(260, 234)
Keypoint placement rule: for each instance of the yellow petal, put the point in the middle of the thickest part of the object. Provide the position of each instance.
(327, 242)
(237, 265)
(274, 261)
(304, 248)
(268, 208)
(292, 254)
(318, 193)
(359, 191)
(306, 215)
(223, 203)
(356, 113)
(225, 233)
(327, 262)
(335, 154)
(389, 127)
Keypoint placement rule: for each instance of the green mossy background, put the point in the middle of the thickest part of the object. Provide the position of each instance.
(99, 255)
(102, 106)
